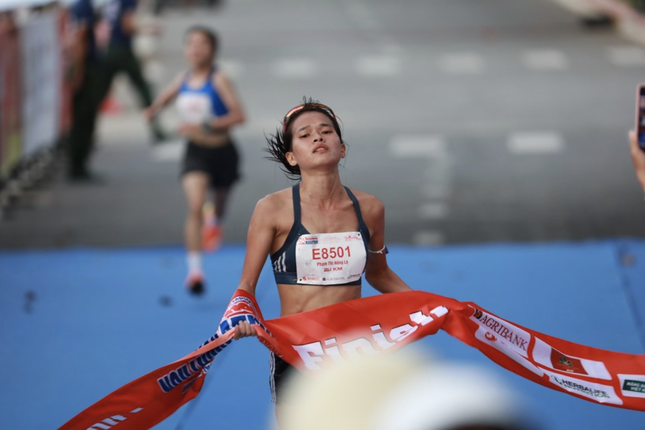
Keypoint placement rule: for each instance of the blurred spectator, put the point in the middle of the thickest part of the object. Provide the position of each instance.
(400, 391)
(638, 5)
(638, 158)
(120, 15)
(7, 23)
(160, 5)
(85, 81)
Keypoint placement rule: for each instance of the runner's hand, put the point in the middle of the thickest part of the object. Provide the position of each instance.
(149, 113)
(244, 329)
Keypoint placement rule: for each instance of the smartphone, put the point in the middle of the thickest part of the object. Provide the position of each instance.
(640, 116)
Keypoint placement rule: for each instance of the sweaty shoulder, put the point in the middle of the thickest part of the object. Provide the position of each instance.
(274, 204)
(275, 211)
(371, 207)
(220, 79)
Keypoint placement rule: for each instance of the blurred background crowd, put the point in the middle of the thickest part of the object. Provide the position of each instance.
(503, 121)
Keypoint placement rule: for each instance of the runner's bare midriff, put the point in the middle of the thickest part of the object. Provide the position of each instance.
(212, 139)
(302, 298)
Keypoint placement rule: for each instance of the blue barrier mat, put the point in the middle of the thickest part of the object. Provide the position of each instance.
(77, 324)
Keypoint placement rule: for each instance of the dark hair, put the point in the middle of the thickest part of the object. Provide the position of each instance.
(282, 141)
(210, 35)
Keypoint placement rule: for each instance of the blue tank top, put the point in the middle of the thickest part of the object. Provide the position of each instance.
(197, 105)
(284, 260)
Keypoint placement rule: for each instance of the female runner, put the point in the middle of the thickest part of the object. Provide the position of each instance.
(316, 225)
(209, 107)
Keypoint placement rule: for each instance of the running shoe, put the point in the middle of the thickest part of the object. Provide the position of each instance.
(211, 237)
(195, 284)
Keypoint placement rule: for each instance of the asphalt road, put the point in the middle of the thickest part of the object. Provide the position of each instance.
(473, 120)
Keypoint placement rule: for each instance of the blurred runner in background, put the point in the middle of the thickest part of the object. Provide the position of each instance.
(209, 107)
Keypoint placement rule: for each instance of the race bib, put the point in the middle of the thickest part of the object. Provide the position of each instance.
(194, 107)
(330, 258)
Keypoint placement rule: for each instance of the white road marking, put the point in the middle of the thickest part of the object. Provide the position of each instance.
(232, 68)
(462, 63)
(436, 177)
(540, 142)
(295, 68)
(414, 146)
(168, 151)
(627, 55)
(428, 237)
(441, 166)
(436, 190)
(433, 210)
(154, 71)
(385, 65)
(545, 59)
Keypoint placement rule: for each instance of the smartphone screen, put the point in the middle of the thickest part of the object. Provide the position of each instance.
(640, 116)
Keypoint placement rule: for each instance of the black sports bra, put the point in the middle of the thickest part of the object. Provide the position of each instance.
(284, 260)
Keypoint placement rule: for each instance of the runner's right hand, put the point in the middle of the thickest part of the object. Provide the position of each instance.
(244, 329)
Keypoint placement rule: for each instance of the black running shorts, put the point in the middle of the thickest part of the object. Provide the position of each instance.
(220, 163)
(280, 372)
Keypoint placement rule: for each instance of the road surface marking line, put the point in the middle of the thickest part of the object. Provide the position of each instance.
(545, 59)
(535, 143)
(462, 63)
(154, 71)
(436, 190)
(232, 68)
(295, 68)
(383, 65)
(414, 146)
(433, 210)
(627, 55)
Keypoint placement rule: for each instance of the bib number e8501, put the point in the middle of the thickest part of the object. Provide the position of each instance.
(325, 253)
(330, 258)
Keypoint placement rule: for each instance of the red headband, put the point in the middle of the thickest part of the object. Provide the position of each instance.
(298, 108)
